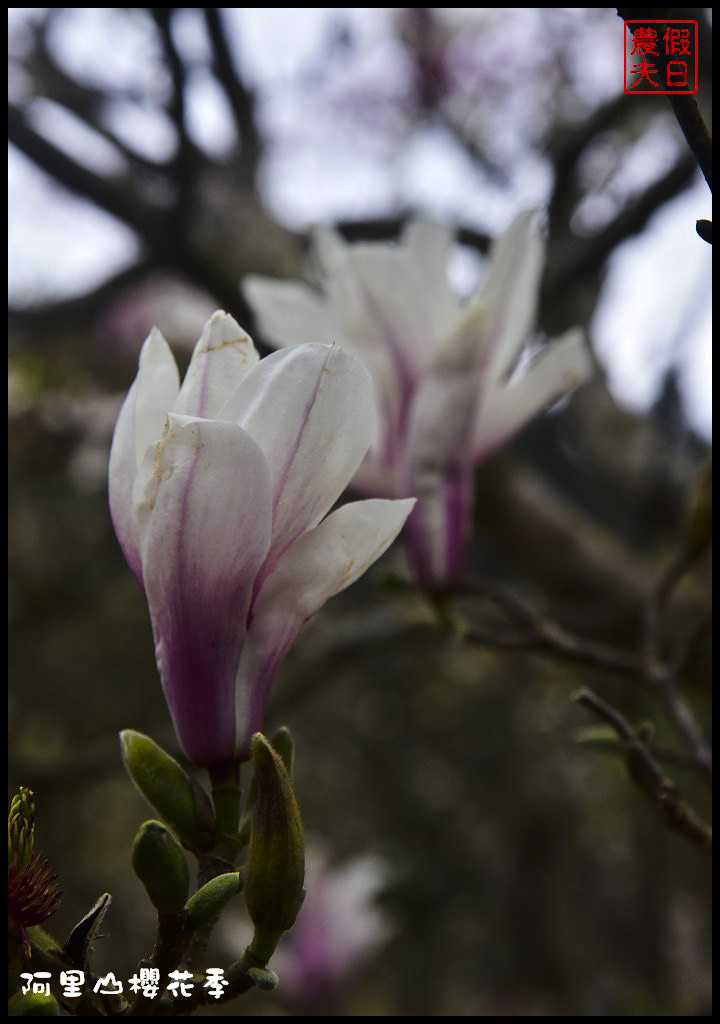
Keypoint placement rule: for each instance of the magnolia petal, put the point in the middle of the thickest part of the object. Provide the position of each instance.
(121, 479)
(311, 410)
(207, 536)
(320, 564)
(289, 313)
(563, 366)
(428, 244)
(139, 424)
(510, 291)
(437, 532)
(158, 383)
(401, 308)
(445, 407)
(221, 359)
(329, 246)
(374, 479)
(439, 468)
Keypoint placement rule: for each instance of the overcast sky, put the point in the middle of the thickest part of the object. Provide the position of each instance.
(655, 307)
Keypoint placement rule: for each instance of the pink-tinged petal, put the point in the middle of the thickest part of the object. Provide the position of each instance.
(439, 470)
(222, 358)
(158, 384)
(121, 479)
(375, 480)
(310, 409)
(329, 247)
(320, 564)
(428, 245)
(207, 535)
(437, 532)
(289, 313)
(510, 292)
(400, 307)
(564, 365)
(139, 424)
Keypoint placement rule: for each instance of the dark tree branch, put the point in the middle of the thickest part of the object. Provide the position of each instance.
(186, 156)
(584, 257)
(567, 148)
(117, 198)
(645, 771)
(240, 97)
(84, 101)
(538, 633)
(166, 242)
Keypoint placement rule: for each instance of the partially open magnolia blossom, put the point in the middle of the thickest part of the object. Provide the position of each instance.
(446, 388)
(219, 490)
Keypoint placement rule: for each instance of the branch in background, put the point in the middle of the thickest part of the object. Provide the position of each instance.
(695, 131)
(542, 634)
(239, 96)
(645, 771)
(84, 101)
(584, 257)
(663, 673)
(567, 148)
(116, 197)
(385, 229)
(186, 156)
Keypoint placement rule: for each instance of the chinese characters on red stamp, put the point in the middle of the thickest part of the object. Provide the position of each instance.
(661, 57)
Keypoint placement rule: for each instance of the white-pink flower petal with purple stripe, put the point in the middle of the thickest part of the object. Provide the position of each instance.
(218, 491)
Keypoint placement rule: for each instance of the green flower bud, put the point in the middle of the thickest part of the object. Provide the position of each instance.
(179, 800)
(160, 863)
(34, 1004)
(282, 742)
(276, 861)
(208, 902)
(21, 827)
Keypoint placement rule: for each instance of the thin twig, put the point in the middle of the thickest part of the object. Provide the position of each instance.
(645, 771)
(544, 634)
(538, 633)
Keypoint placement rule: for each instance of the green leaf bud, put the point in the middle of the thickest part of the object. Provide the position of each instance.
(209, 901)
(161, 865)
(33, 1004)
(177, 798)
(282, 742)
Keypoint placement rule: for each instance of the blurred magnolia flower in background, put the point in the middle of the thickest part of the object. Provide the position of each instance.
(218, 491)
(446, 388)
(339, 926)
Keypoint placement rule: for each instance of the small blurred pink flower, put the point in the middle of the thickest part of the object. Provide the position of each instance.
(338, 926)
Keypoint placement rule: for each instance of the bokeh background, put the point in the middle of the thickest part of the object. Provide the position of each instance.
(158, 155)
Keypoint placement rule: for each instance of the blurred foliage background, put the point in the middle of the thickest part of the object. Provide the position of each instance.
(526, 872)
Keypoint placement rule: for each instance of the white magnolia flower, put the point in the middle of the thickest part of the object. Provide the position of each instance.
(218, 493)
(443, 371)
